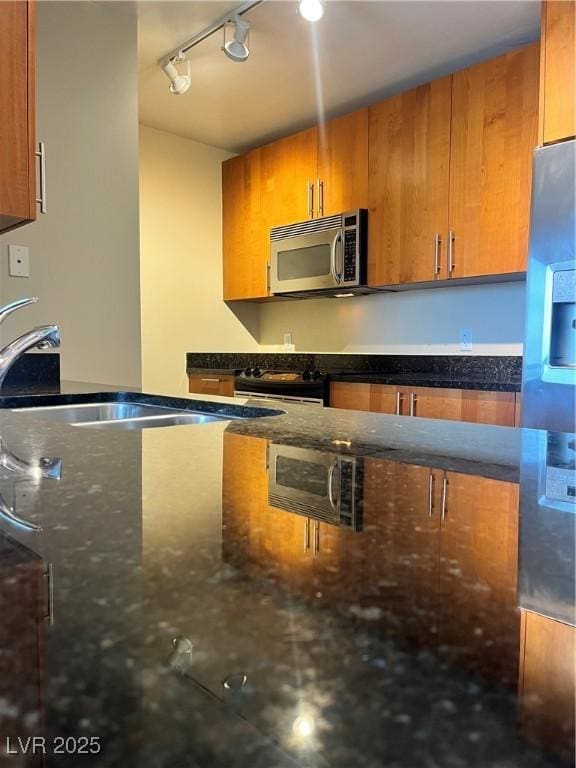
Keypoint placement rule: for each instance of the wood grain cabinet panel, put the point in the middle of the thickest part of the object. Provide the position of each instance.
(350, 395)
(342, 164)
(433, 403)
(547, 683)
(211, 384)
(409, 157)
(17, 114)
(479, 624)
(483, 407)
(494, 132)
(557, 73)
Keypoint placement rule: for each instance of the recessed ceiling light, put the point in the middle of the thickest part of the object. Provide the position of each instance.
(311, 10)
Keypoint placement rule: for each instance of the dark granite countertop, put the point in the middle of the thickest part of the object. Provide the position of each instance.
(499, 374)
(210, 607)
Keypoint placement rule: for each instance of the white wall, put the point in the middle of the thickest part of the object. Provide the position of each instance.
(85, 251)
(181, 261)
(415, 322)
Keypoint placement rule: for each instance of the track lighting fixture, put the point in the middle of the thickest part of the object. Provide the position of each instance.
(179, 84)
(237, 49)
(311, 10)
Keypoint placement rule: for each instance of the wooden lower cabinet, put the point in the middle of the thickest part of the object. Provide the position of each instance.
(475, 406)
(211, 384)
(547, 683)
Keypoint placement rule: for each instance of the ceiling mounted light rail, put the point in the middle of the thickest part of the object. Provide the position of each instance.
(235, 49)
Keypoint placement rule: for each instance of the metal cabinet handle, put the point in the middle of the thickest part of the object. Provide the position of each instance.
(316, 538)
(310, 193)
(399, 398)
(49, 574)
(413, 401)
(430, 494)
(437, 244)
(307, 535)
(41, 154)
(444, 497)
(451, 261)
(212, 381)
(267, 277)
(320, 184)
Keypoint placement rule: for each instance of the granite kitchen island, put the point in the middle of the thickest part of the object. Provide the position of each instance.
(317, 588)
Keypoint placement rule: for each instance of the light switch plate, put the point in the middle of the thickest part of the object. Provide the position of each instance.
(19, 261)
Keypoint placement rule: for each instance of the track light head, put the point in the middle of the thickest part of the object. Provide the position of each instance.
(311, 10)
(237, 49)
(179, 84)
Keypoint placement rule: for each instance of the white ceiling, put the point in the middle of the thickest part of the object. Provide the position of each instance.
(297, 71)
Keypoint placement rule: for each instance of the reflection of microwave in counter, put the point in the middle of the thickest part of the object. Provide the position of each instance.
(324, 486)
(548, 525)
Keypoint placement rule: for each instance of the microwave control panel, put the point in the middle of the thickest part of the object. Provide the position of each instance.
(349, 255)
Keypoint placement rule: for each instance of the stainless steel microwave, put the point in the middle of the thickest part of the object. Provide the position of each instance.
(327, 255)
(323, 486)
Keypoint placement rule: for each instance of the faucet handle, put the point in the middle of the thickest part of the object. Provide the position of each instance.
(13, 306)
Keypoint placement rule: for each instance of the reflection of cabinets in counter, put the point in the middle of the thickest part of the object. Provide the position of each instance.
(476, 406)
(547, 687)
(441, 563)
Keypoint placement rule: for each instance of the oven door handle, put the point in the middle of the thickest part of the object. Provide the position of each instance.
(337, 276)
(331, 472)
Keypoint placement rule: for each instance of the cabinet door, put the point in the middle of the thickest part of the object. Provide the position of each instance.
(245, 239)
(286, 550)
(409, 154)
(433, 403)
(337, 565)
(211, 384)
(558, 64)
(350, 395)
(289, 167)
(342, 164)
(547, 687)
(494, 131)
(401, 528)
(479, 625)
(489, 407)
(17, 115)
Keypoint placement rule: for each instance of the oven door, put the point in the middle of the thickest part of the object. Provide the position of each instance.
(303, 481)
(306, 262)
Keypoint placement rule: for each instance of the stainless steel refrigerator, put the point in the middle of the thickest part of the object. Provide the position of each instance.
(549, 373)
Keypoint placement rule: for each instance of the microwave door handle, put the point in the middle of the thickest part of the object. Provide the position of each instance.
(333, 270)
(331, 498)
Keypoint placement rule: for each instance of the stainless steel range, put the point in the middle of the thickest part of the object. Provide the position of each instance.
(308, 386)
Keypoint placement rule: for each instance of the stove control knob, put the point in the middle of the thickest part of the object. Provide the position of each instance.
(316, 374)
(256, 372)
(247, 371)
(307, 375)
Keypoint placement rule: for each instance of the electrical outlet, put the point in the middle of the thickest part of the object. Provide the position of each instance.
(465, 340)
(19, 261)
(288, 344)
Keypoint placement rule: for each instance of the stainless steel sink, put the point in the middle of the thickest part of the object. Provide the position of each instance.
(120, 415)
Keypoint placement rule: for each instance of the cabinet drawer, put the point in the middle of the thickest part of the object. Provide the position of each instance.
(211, 384)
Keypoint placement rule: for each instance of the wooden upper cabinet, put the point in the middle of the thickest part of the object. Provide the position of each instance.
(409, 157)
(494, 132)
(557, 71)
(342, 183)
(17, 114)
(288, 174)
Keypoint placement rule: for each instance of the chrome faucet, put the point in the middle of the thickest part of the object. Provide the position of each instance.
(42, 337)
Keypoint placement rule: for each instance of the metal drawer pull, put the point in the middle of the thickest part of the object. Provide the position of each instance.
(444, 495)
(399, 398)
(430, 494)
(41, 153)
(413, 400)
(212, 381)
(49, 574)
(307, 535)
(437, 243)
(451, 262)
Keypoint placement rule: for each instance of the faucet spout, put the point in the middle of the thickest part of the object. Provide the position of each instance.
(42, 337)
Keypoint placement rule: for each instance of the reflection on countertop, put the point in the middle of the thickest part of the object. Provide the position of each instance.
(312, 589)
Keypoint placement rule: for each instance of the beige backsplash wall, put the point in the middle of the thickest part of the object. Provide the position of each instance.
(181, 261)
(412, 322)
(84, 252)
